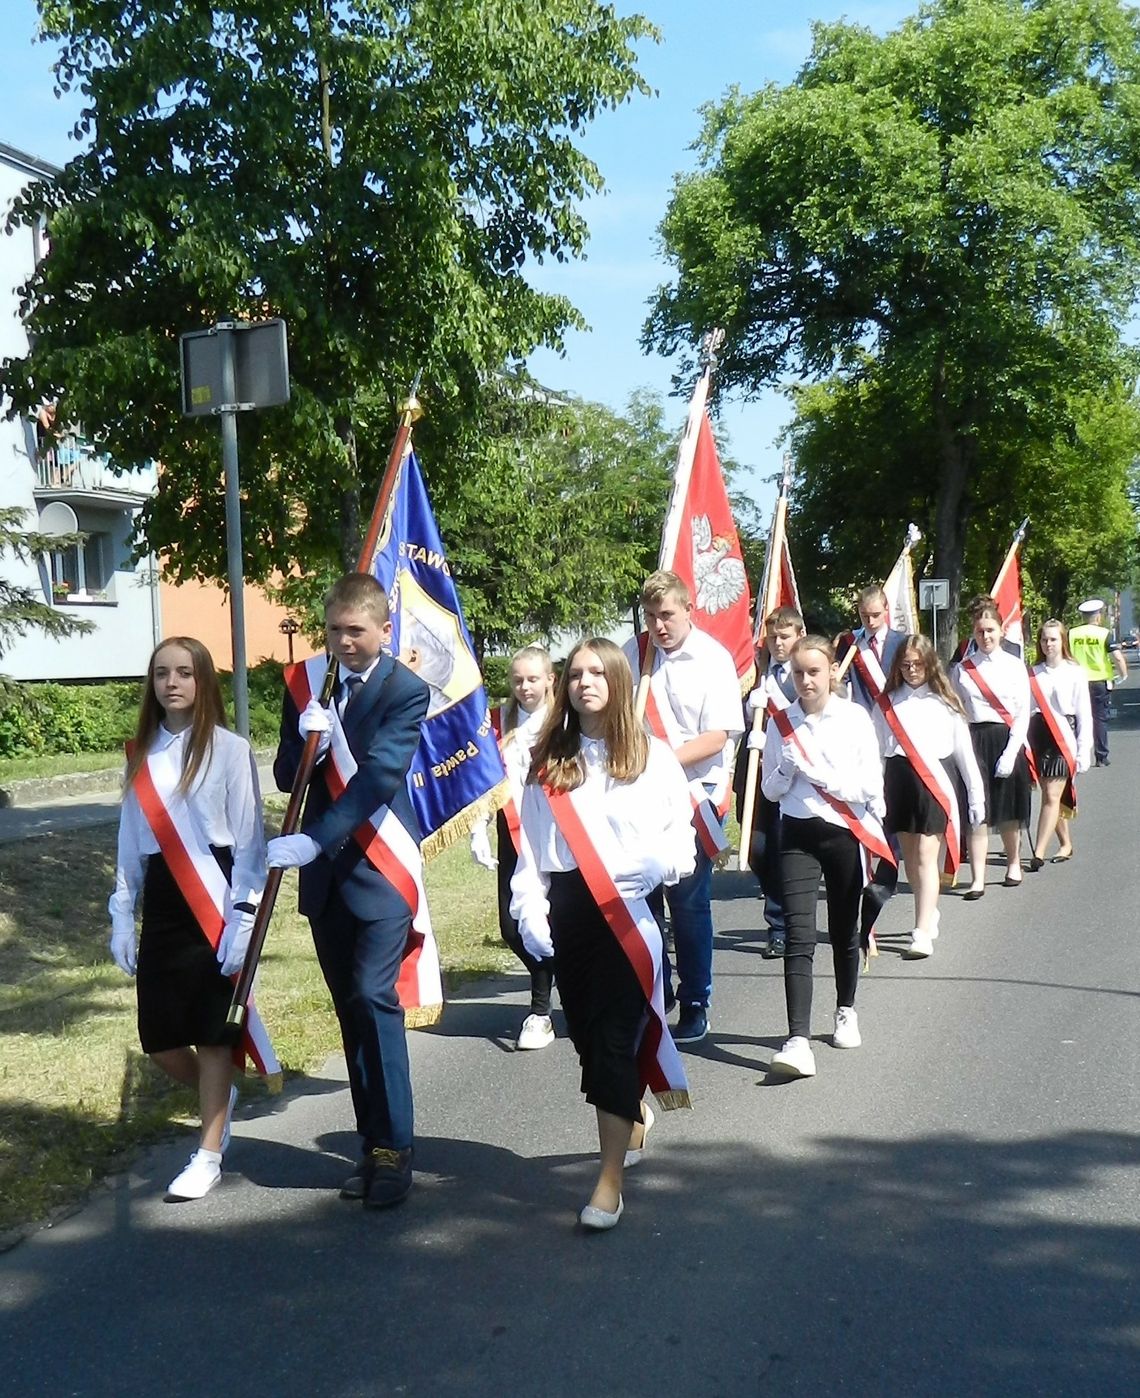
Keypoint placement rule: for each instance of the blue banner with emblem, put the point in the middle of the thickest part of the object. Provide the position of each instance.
(457, 774)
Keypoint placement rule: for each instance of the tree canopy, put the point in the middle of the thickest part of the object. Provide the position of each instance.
(377, 174)
(941, 227)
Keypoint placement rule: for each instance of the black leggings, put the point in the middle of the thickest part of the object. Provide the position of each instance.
(541, 972)
(807, 849)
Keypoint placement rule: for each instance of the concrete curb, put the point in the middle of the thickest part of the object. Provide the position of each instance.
(47, 791)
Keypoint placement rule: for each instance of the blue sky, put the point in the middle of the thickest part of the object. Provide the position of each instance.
(705, 49)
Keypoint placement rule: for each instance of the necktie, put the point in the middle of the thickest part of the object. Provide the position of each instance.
(352, 687)
(877, 647)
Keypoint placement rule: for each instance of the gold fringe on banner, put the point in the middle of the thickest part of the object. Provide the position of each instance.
(463, 823)
(673, 1099)
(422, 1016)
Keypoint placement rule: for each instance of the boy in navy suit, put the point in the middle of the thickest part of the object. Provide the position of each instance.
(875, 639)
(360, 921)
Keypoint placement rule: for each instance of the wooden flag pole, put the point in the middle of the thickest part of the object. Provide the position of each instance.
(766, 604)
(235, 1019)
(686, 454)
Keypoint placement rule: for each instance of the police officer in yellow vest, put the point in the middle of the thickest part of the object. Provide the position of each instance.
(1099, 653)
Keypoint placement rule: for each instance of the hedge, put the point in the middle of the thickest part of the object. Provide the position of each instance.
(42, 719)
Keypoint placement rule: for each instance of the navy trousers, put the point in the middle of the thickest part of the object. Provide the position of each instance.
(361, 963)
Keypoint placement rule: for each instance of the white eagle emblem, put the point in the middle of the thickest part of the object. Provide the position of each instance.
(720, 579)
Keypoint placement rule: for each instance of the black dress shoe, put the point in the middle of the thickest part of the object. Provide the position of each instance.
(391, 1178)
(356, 1186)
(776, 947)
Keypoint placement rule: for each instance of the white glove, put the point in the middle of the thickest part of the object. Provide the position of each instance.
(481, 847)
(536, 938)
(1005, 764)
(124, 945)
(291, 851)
(315, 719)
(235, 942)
(756, 739)
(878, 808)
(634, 886)
(977, 816)
(1083, 765)
(758, 699)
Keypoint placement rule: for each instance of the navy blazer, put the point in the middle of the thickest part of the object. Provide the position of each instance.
(382, 726)
(859, 691)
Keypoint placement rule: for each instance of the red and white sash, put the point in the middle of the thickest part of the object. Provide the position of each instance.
(509, 809)
(970, 666)
(867, 828)
(593, 845)
(1062, 735)
(709, 808)
(200, 881)
(870, 669)
(391, 851)
(934, 777)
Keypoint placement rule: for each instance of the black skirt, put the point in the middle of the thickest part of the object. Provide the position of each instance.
(183, 998)
(1007, 798)
(601, 998)
(1050, 759)
(911, 809)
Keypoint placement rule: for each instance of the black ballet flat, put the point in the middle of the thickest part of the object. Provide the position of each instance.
(973, 894)
(1035, 864)
(1062, 858)
(1007, 882)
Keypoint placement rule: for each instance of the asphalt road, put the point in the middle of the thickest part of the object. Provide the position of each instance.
(953, 1209)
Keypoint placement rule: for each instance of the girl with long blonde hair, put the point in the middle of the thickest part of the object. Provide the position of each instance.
(631, 795)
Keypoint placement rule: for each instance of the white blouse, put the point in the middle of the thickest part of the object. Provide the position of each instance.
(1066, 687)
(842, 746)
(1007, 676)
(938, 732)
(651, 819)
(517, 746)
(225, 805)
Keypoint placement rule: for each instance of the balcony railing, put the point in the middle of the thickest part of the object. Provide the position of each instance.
(71, 463)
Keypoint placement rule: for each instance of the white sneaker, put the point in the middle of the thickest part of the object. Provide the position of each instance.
(846, 1033)
(229, 1117)
(795, 1059)
(199, 1177)
(920, 945)
(537, 1032)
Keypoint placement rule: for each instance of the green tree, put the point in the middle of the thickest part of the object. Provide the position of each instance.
(553, 517)
(943, 224)
(21, 608)
(377, 174)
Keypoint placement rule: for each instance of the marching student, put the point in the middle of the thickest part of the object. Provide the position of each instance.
(358, 852)
(1060, 737)
(875, 648)
(822, 765)
(774, 690)
(606, 818)
(993, 686)
(518, 723)
(694, 706)
(191, 841)
(927, 750)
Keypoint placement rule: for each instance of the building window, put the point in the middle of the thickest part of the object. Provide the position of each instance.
(82, 569)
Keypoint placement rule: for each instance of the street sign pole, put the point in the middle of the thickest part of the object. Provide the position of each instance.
(234, 367)
(228, 411)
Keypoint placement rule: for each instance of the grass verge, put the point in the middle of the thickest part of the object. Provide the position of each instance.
(59, 764)
(76, 1093)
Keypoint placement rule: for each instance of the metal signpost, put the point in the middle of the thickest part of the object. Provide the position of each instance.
(932, 594)
(235, 367)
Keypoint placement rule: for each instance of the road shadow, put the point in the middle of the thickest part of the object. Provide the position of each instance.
(735, 1272)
